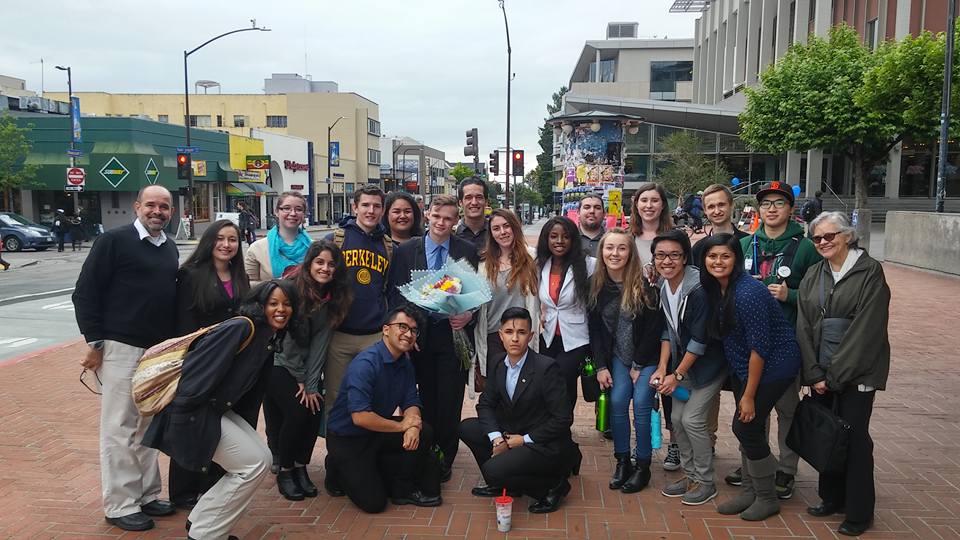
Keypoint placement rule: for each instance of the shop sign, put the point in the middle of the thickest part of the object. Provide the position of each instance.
(151, 172)
(296, 187)
(258, 163)
(199, 168)
(249, 176)
(114, 172)
(294, 166)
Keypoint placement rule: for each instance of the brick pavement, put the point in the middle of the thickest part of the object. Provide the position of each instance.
(49, 478)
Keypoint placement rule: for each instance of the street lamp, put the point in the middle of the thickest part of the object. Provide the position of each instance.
(506, 193)
(73, 159)
(186, 101)
(329, 176)
(945, 107)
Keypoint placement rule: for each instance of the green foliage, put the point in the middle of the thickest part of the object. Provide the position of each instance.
(546, 176)
(686, 170)
(461, 171)
(14, 148)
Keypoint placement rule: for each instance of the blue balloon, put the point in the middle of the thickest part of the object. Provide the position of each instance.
(735, 181)
(796, 191)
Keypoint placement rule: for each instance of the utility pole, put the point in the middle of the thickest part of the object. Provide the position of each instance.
(945, 109)
(506, 193)
(73, 158)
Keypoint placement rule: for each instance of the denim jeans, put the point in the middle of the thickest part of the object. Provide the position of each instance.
(620, 395)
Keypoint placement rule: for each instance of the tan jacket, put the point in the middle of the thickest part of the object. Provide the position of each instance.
(257, 262)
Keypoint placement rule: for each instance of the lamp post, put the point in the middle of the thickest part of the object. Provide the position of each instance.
(186, 102)
(73, 159)
(945, 107)
(329, 175)
(506, 193)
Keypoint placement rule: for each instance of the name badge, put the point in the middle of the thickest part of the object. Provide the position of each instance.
(748, 264)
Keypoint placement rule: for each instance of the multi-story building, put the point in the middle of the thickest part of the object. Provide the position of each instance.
(414, 167)
(291, 105)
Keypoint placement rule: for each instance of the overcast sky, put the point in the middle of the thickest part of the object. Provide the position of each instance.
(435, 67)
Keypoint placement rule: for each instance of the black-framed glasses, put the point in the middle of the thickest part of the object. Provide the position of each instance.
(292, 209)
(828, 237)
(404, 328)
(779, 203)
(675, 256)
(86, 381)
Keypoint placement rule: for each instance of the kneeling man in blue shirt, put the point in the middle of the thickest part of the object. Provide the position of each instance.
(372, 454)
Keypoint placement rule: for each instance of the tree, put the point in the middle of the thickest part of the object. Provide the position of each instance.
(687, 170)
(837, 95)
(14, 148)
(546, 178)
(461, 171)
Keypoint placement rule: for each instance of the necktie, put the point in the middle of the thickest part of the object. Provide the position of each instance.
(438, 257)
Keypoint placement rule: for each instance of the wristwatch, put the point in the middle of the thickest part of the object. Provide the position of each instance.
(96, 345)
(678, 375)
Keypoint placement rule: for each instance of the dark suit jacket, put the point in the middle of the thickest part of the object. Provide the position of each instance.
(539, 407)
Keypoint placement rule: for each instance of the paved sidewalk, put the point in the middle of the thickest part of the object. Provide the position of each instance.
(49, 477)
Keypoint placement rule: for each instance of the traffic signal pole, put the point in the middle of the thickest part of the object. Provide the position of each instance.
(506, 192)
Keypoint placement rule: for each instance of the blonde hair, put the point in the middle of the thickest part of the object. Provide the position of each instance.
(637, 292)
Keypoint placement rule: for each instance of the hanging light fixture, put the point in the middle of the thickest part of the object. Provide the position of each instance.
(567, 128)
(595, 126)
(633, 128)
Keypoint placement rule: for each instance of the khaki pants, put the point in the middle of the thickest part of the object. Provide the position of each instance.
(129, 474)
(343, 348)
(244, 456)
(691, 429)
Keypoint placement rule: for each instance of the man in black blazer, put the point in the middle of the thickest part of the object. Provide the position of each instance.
(440, 376)
(521, 438)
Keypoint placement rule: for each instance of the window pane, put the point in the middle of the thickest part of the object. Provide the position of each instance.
(639, 143)
(661, 133)
(665, 75)
(732, 143)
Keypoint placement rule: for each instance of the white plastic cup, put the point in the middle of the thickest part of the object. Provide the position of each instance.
(504, 512)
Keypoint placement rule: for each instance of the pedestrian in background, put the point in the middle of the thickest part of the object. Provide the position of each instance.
(564, 293)
(77, 234)
(844, 308)
(59, 229)
(292, 408)
(248, 223)
(124, 302)
(592, 224)
(213, 415)
(285, 244)
(625, 329)
(210, 286)
(402, 217)
(760, 346)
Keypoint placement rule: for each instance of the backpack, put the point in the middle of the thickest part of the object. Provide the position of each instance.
(808, 211)
(157, 376)
(340, 234)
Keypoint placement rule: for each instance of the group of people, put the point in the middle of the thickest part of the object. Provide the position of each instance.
(317, 334)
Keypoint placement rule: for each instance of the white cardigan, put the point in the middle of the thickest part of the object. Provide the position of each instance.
(531, 302)
(573, 318)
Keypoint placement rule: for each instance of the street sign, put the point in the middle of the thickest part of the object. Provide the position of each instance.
(74, 152)
(114, 172)
(73, 188)
(151, 172)
(76, 176)
(187, 149)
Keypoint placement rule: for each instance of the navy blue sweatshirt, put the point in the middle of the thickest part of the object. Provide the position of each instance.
(367, 266)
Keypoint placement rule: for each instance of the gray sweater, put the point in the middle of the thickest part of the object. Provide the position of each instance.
(305, 361)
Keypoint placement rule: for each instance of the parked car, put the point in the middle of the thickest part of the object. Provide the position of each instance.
(18, 232)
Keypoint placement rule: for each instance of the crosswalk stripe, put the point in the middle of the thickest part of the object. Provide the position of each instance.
(17, 342)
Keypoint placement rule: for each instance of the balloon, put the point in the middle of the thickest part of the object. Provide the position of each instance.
(735, 181)
(796, 191)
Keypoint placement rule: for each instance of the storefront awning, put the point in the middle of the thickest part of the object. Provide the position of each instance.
(245, 189)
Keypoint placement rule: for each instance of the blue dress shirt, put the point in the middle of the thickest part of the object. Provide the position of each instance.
(431, 247)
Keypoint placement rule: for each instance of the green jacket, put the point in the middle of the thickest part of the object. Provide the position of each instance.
(304, 358)
(805, 257)
(863, 355)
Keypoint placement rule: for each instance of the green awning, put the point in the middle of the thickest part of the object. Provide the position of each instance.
(261, 188)
(239, 189)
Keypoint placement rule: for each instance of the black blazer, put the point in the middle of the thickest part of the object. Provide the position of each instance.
(539, 407)
(411, 255)
(189, 316)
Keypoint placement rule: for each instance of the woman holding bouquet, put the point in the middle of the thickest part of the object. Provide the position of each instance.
(507, 263)
(564, 293)
(625, 328)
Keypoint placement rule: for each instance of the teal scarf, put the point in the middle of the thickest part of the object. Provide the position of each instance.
(284, 255)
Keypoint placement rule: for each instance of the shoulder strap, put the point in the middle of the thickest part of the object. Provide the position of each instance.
(338, 235)
(790, 251)
(249, 336)
(388, 246)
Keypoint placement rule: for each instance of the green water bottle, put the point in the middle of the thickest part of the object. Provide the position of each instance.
(589, 368)
(603, 402)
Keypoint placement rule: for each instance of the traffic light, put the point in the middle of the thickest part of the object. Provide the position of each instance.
(517, 163)
(471, 149)
(495, 163)
(183, 166)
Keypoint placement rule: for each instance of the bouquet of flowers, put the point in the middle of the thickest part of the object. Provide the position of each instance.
(452, 289)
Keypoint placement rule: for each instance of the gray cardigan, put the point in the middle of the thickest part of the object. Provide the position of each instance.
(305, 360)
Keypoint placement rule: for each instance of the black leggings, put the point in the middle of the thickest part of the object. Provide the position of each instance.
(569, 363)
(291, 428)
(753, 434)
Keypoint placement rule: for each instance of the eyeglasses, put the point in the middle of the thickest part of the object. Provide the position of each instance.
(85, 381)
(675, 256)
(404, 328)
(825, 237)
(779, 203)
(292, 209)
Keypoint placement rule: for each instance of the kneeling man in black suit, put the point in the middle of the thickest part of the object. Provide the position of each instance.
(521, 439)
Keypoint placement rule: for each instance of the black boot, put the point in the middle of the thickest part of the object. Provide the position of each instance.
(639, 479)
(288, 486)
(622, 472)
(303, 481)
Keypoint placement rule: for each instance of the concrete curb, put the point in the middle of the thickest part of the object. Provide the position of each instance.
(34, 296)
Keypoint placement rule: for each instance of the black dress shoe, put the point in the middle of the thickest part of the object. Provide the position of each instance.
(493, 491)
(849, 528)
(288, 486)
(446, 473)
(332, 488)
(275, 465)
(158, 508)
(302, 479)
(185, 503)
(417, 498)
(825, 509)
(132, 522)
(551, 502)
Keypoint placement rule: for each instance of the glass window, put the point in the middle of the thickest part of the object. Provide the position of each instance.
(373, 127)
(201, 201)
(732, 143)
(219, 120)
(635, 168)
(200, 120)
(240, 120)
(163, 118)
(662, 133)
(870, 35)
(639, 143)
(916, 169)
(276, 121)
(608, 69)
(373, 156)
(665, 75)
(708, 141)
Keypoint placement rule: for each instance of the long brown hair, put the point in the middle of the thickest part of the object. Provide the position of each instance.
(523, 269)
(636, 222)
(637, 292)
(336, 295)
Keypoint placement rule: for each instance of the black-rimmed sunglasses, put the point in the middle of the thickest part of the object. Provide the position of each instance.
(84, 380)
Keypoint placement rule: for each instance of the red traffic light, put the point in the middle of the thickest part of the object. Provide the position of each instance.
(518, 155)
(182, 159)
